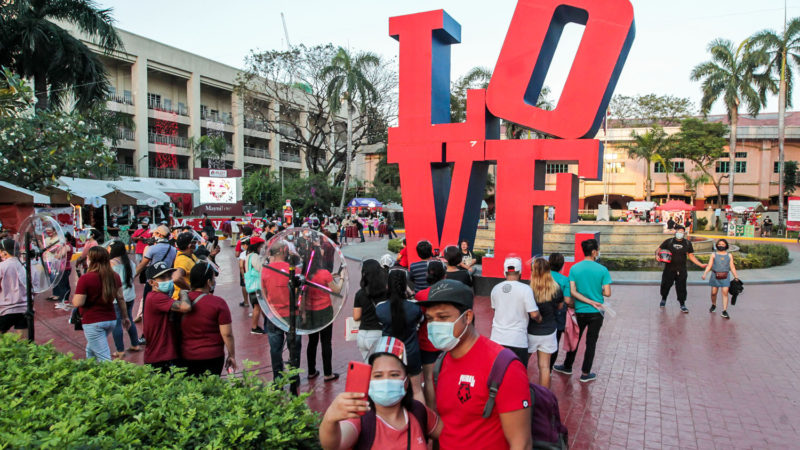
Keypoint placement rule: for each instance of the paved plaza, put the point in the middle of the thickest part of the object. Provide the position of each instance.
(665, 379)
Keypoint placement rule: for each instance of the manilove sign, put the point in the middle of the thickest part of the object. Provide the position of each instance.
(444, 166)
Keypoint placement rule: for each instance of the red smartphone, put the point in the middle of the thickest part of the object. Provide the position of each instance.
(358, 376)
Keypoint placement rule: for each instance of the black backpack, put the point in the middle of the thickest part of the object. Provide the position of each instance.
(370, 420)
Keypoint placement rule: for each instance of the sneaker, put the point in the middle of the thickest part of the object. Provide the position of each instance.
(142, 341)
(663, 303)
(563, 369)
(684, 309)
(725, 315)
(712, 309)
(257, 330)
(588, 378)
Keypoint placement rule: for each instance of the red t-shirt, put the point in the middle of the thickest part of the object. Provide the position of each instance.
(200, 337)
(403, 261)
(158, 330)
(317, 299)
(389, 438)
(276, 287)
(95, 310)
(142, 234)
(422, 333)
(462, 392)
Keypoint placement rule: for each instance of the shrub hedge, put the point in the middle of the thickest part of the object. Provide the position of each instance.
(759, 256)
(49, 400)
(395, 245)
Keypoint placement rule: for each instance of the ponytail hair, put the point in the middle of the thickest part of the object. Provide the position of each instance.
(397, 297)
(100, 263)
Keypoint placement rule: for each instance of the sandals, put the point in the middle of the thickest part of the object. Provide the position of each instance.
(118, 355)
(333, 377)
(134, 348)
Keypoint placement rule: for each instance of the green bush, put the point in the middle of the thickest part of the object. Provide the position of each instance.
(759, 256)
(588, 216)
(701, 223)
(395, 245)
(50, 400)
(479, 254)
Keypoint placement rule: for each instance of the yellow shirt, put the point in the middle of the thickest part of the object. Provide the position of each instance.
(185, 262)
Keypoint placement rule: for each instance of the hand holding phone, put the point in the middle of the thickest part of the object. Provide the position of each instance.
(358, 376)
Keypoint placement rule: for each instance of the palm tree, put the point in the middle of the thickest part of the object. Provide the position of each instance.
(732, 75)
(476, 78)
(649, 147)
(692, 182)
(781, 47)
(348, 82)
(664, 158)
(34, 45)
(210, 148)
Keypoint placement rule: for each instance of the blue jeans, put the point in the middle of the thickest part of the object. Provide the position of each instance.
(277, 338)
(117, 333)
(97, 339)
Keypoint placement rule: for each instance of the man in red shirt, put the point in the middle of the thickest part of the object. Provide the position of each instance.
(402, 257)
(275, 287)
(140, 237)
(161, 350)
(462, 385)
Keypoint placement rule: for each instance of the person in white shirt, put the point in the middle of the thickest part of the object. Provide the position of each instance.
(514, 306)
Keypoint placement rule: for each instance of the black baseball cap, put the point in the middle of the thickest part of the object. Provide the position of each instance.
(158, 269)
(680, 227)
(450, 291)
(184, 239)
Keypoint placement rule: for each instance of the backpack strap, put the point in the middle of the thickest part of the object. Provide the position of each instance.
(437, 367)
(194, 302)
(419, 411)
(501, 363)
(367, 436)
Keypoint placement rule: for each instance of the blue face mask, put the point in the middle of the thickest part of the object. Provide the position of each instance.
(167, 287)
(441, 334)
(387, 392)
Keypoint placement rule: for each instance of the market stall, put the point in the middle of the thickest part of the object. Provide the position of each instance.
(743, 218)
(360, 205)
(676, 210)
(16, 203)
(640, 211)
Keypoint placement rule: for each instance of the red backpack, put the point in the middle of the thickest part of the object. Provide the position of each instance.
(547, 431)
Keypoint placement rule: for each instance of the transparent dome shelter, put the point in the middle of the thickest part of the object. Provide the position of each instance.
(48, 251)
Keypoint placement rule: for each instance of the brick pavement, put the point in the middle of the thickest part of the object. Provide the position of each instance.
(665, 379)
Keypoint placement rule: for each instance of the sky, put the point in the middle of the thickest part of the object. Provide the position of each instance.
(671, 36)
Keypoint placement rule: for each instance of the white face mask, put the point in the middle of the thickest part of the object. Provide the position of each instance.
(680, 235)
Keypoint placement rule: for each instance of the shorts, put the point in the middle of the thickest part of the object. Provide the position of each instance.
(241, 279)
(429, 357)
(16, 320)
(545, 343)
(253, 296)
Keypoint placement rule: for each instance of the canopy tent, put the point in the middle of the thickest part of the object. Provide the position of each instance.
(117, 192)
(62, 195)
(10, 193)
(169, 186)
(743, 207)
(393, 207)
(675, 205)
(364, 203)
(641, 206)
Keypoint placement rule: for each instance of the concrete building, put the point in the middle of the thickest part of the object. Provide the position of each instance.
(172, 96)
(756, 167)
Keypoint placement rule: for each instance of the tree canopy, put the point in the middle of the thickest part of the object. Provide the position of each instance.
(703, 143)
(649, 109)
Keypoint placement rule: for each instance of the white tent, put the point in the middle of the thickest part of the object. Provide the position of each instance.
(11, 193)
(116, 192)
(641, 206)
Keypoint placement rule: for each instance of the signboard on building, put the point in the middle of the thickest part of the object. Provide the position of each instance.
(217, 190)
(793, 214)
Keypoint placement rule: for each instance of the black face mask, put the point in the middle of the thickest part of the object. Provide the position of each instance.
(721, 248)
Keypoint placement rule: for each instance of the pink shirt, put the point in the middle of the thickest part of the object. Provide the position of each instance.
(12, 287)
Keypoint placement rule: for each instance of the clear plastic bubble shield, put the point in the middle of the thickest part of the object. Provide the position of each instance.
(48, 251)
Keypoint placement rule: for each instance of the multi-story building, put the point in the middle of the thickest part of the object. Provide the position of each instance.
(755, 165)
(173, 96)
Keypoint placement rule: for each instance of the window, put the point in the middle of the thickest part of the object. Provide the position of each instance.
(557, 168)
(168, 104)
(153, 100)
(677, 167)
(128, 95)
(723, 166)
(740, 167)
(741, 154)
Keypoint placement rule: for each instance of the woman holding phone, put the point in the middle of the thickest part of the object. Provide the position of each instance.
(404, 423)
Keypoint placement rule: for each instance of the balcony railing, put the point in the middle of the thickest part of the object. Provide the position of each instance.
(288, 131)
(126, 169)
(164, 139)
(290, 157)
(225, 118)
(229, 149)
(254, 124)
(157, 106)
(121, 99)
(125, 134)
(157, 172)
(258, 152)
